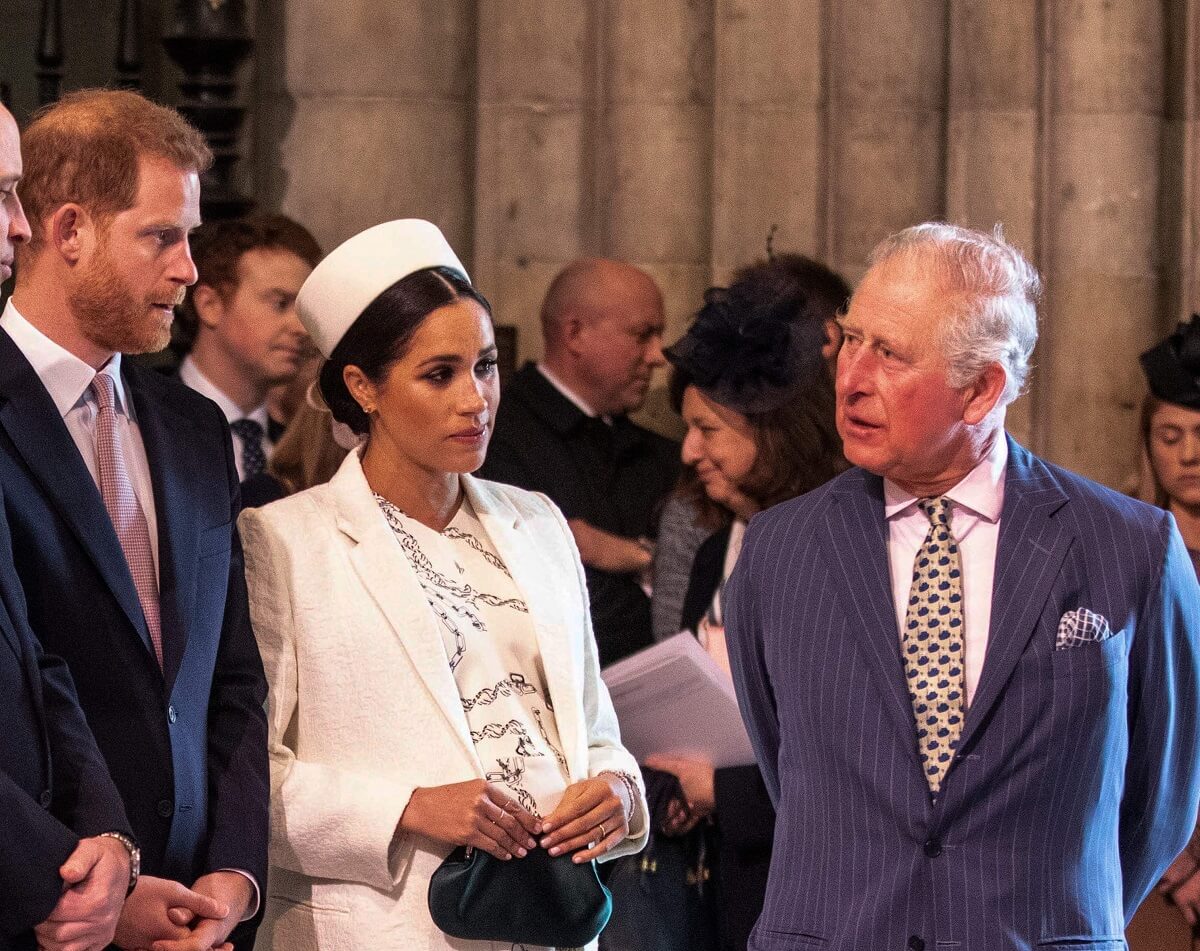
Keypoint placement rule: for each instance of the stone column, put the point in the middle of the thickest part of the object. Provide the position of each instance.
(993, 172)
(1101, 257)
(770, 141)
(533, 153)
(887, 121)
(654, 187)
(382, 122)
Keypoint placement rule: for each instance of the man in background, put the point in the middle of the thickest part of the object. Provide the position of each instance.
(563, 429)
(239, 320)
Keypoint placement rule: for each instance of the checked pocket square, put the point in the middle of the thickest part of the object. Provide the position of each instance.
(1081, 626)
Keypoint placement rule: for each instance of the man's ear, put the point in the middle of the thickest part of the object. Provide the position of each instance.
(572, 330)
(210, 306)
(71, 231)
(982, 396)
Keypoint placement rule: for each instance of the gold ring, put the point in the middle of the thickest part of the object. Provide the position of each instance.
(603, 834)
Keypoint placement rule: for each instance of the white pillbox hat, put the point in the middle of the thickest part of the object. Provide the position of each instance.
(363, 267)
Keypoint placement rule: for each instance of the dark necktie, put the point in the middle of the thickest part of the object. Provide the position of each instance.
(254, 457)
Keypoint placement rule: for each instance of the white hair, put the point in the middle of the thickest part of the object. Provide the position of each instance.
(994, 293)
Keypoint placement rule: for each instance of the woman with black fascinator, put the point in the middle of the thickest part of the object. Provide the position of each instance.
(751, 380)
(1170, 478)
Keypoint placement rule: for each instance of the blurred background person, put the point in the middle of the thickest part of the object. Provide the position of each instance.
(1170, 479)
(415, 623)
(751, 382)
(244, 342)
(564, 430)
(688, 518)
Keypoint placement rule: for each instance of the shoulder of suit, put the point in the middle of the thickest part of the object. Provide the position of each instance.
(168, 388)
(1094, 497)
(525, 502)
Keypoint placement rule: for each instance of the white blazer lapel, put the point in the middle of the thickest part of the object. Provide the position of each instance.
(388, 578)
(526, 549)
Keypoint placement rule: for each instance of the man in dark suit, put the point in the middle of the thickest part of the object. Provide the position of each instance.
(66, 852)
(120, 495)
(563, 429)
(972, 678)
(243, 337)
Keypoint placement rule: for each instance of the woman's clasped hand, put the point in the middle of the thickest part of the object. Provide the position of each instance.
(591, 818)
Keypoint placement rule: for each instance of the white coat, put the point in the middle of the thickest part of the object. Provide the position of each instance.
(363, 706)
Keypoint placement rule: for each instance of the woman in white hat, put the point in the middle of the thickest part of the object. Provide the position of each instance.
(425, 634)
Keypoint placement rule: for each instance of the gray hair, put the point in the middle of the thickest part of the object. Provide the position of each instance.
(994, 292)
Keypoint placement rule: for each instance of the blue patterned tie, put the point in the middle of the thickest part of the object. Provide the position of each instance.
(932, 643)
(254, 457)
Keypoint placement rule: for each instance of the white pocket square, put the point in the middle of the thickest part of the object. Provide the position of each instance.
(1081, 626)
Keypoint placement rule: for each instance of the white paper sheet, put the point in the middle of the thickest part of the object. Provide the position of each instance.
(672, 699)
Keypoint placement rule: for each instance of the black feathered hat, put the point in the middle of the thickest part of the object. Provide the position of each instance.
(752, 346)
(1172, 367)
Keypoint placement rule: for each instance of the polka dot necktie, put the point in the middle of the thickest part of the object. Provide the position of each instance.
(932, 643)
(254, 457)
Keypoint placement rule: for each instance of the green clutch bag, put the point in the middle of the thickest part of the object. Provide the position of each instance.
(539, 900)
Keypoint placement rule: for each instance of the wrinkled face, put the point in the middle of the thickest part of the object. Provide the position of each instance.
(14, 229)
(134, 268)
(437, 405)
(1174, 445)
(719, 445)
(897, 415)
(256, 324)
(622, 347)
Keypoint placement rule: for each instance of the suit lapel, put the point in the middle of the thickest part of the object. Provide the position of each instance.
(856, 540)
(1029, 554)
(524, 557)
(40, 436)
(389, 579)
(170, 454)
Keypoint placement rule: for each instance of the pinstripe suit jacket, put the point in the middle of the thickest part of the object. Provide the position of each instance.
(1076, 780)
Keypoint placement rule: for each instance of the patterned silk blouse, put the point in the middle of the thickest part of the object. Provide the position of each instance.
(491, 647)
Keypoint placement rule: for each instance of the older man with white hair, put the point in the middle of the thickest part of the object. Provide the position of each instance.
(972, 678)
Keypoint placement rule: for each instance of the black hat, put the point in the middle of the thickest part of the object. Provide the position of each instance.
(752, 346)
(1172, 367)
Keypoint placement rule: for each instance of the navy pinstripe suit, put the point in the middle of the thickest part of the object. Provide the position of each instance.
(1077, 777)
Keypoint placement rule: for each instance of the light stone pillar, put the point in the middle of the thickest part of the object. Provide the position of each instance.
(1102, 255)
(382, 122)
(887, 121)
(654, 181)
(770, 142)
(534, 153)
(993, 170)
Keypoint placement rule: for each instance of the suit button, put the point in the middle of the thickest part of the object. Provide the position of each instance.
(933, 848)
(165, 808)
(44, 799)
(171, 716)
(915, 943)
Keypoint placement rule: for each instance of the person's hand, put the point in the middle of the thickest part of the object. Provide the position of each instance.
(474, 813)
(96, 877)
(159, 910)
(679, 821)
(608, 552)
(696, 777)
(591, 818)
(1181, 885)
(234, 892)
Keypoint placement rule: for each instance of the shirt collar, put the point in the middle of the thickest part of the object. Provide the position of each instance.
(191, 374)
(981, 490)
(568, 393)
(67, 378)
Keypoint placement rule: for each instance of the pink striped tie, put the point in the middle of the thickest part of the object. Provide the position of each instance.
(124, 509)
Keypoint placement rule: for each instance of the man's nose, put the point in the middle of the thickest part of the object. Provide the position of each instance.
(654, 352)
(18, 225)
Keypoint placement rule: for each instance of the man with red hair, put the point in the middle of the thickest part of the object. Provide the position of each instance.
(120, 487)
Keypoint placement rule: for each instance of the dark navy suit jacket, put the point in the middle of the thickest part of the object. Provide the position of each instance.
(185, 744)
(1077, 776)
(54, 787)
